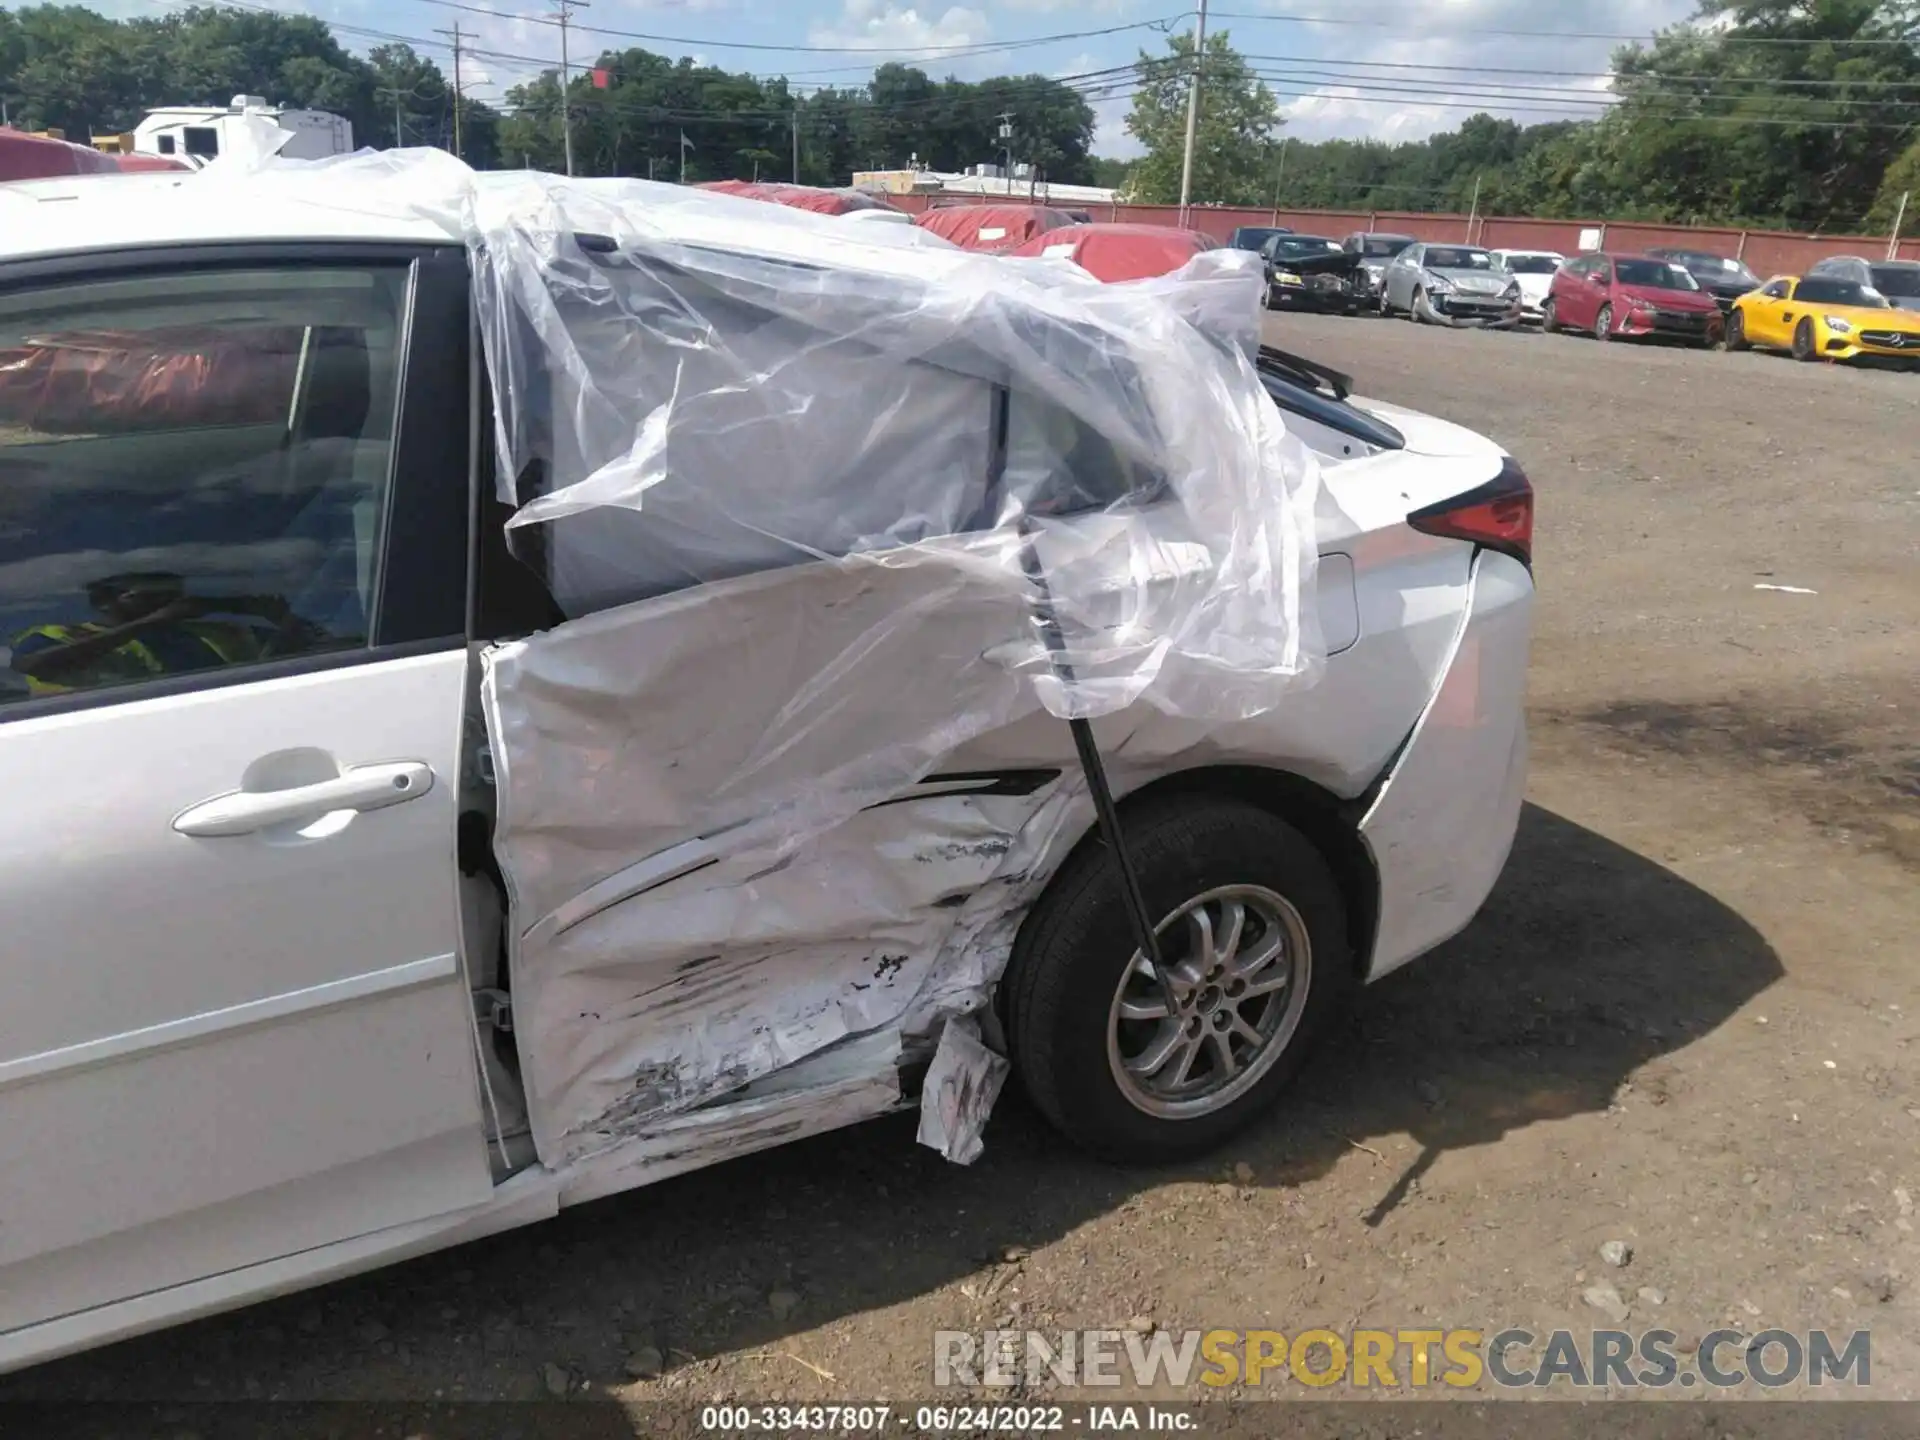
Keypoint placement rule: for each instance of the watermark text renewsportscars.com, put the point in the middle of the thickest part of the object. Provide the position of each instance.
(1408, 1359)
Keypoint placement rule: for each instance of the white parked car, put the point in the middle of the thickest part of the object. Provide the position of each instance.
(1534, 269)
(264, 1022)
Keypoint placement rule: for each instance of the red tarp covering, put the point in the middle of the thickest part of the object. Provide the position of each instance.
(86, 382)
(991, 227)
(800, 197)
(1120, 252)
(140, 164)
(33, 157)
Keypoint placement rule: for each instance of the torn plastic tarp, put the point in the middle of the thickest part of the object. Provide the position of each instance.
(823, 510)
(960, 1087)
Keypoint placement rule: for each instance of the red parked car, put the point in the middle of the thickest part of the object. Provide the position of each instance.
(1120, 252)
(991, 227)
(1618, 297)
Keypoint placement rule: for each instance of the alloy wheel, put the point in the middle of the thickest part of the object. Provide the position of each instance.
(1191, 1038)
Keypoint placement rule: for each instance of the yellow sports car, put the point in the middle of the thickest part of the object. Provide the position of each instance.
(1821, 317)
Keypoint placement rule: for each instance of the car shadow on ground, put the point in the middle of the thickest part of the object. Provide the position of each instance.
(1588, 964)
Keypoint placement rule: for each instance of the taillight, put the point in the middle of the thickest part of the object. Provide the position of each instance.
(1495, 516)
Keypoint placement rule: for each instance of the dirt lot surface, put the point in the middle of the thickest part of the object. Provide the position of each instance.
(1687, 1020)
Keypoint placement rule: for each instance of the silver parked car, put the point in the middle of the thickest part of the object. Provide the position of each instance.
(1449, 285)
(1897, 280)
(1375, 248)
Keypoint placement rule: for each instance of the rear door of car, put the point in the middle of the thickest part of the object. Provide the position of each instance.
(232, 590)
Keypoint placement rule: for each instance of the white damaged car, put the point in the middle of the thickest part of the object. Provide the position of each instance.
(465, 756)
(1533, 270)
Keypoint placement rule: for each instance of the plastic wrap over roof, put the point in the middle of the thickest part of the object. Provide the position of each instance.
(991, 227)
(1114, 252)
(800, 197)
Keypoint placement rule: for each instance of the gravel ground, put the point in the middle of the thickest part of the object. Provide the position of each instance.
(1685, 1021)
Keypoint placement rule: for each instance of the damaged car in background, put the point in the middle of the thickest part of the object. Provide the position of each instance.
(668, 675)
(1450, 285)
(1310, 272)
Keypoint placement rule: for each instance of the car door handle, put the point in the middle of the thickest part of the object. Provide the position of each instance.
(360, 787)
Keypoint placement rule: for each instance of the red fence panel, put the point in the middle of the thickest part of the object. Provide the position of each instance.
(1768, 252)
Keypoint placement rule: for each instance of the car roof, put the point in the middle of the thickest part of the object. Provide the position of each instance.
(86, 213)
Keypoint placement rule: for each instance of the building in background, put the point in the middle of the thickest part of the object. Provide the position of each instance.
(196, 134)
(980, 182)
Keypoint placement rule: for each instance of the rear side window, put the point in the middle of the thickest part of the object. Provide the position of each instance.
(194, 470)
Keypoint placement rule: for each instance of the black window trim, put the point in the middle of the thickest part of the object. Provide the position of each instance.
(420, 460)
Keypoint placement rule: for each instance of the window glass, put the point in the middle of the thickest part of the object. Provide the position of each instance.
(202, 140)
(1456, 257)
(1656, 275)
(1777, 290)
(1900, 281)
(1831, 290)
(166, 144)
(193, 470)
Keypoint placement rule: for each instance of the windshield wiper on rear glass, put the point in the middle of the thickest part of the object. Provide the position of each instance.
(1308, 374)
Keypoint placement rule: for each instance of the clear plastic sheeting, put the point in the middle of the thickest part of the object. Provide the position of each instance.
(690, 388)
(824, 509)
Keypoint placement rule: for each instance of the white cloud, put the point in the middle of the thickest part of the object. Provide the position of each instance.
(1084, 7)
(1110, 138)
(901, 31)
(1396, 80)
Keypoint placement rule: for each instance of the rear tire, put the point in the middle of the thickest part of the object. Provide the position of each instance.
(1416, 311)
(1736, 338)
(1549, 320)
(1073, 969)
(1803, 341)
(1603, 323)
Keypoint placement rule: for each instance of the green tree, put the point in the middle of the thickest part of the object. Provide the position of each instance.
(1902, 179)
(1235, 146)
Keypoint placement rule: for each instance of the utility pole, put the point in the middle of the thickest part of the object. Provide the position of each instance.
(1893, 245)
(399, 133)
(1473, 209)
(459, 101)
(793, 121)
(1279, 174)
(1006, 146)
(566, 9)
(1193, 109)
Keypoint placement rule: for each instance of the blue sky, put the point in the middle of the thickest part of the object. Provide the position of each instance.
(1394, 69)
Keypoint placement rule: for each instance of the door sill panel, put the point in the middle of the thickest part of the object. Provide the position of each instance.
(530, 1196)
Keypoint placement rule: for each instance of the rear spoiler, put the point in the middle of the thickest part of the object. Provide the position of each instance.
(1310, 374)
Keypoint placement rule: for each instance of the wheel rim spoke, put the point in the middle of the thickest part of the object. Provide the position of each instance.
(1223, 1054)
(1239, 1026)
(1183, 1067)
(1144, 1010)
(1160, 1049)
(1204, 955)
(1276, 979)
(1249, 966)
(1233, 916)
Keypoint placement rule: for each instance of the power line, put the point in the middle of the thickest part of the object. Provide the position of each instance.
(956, 49)
(1439, 32)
